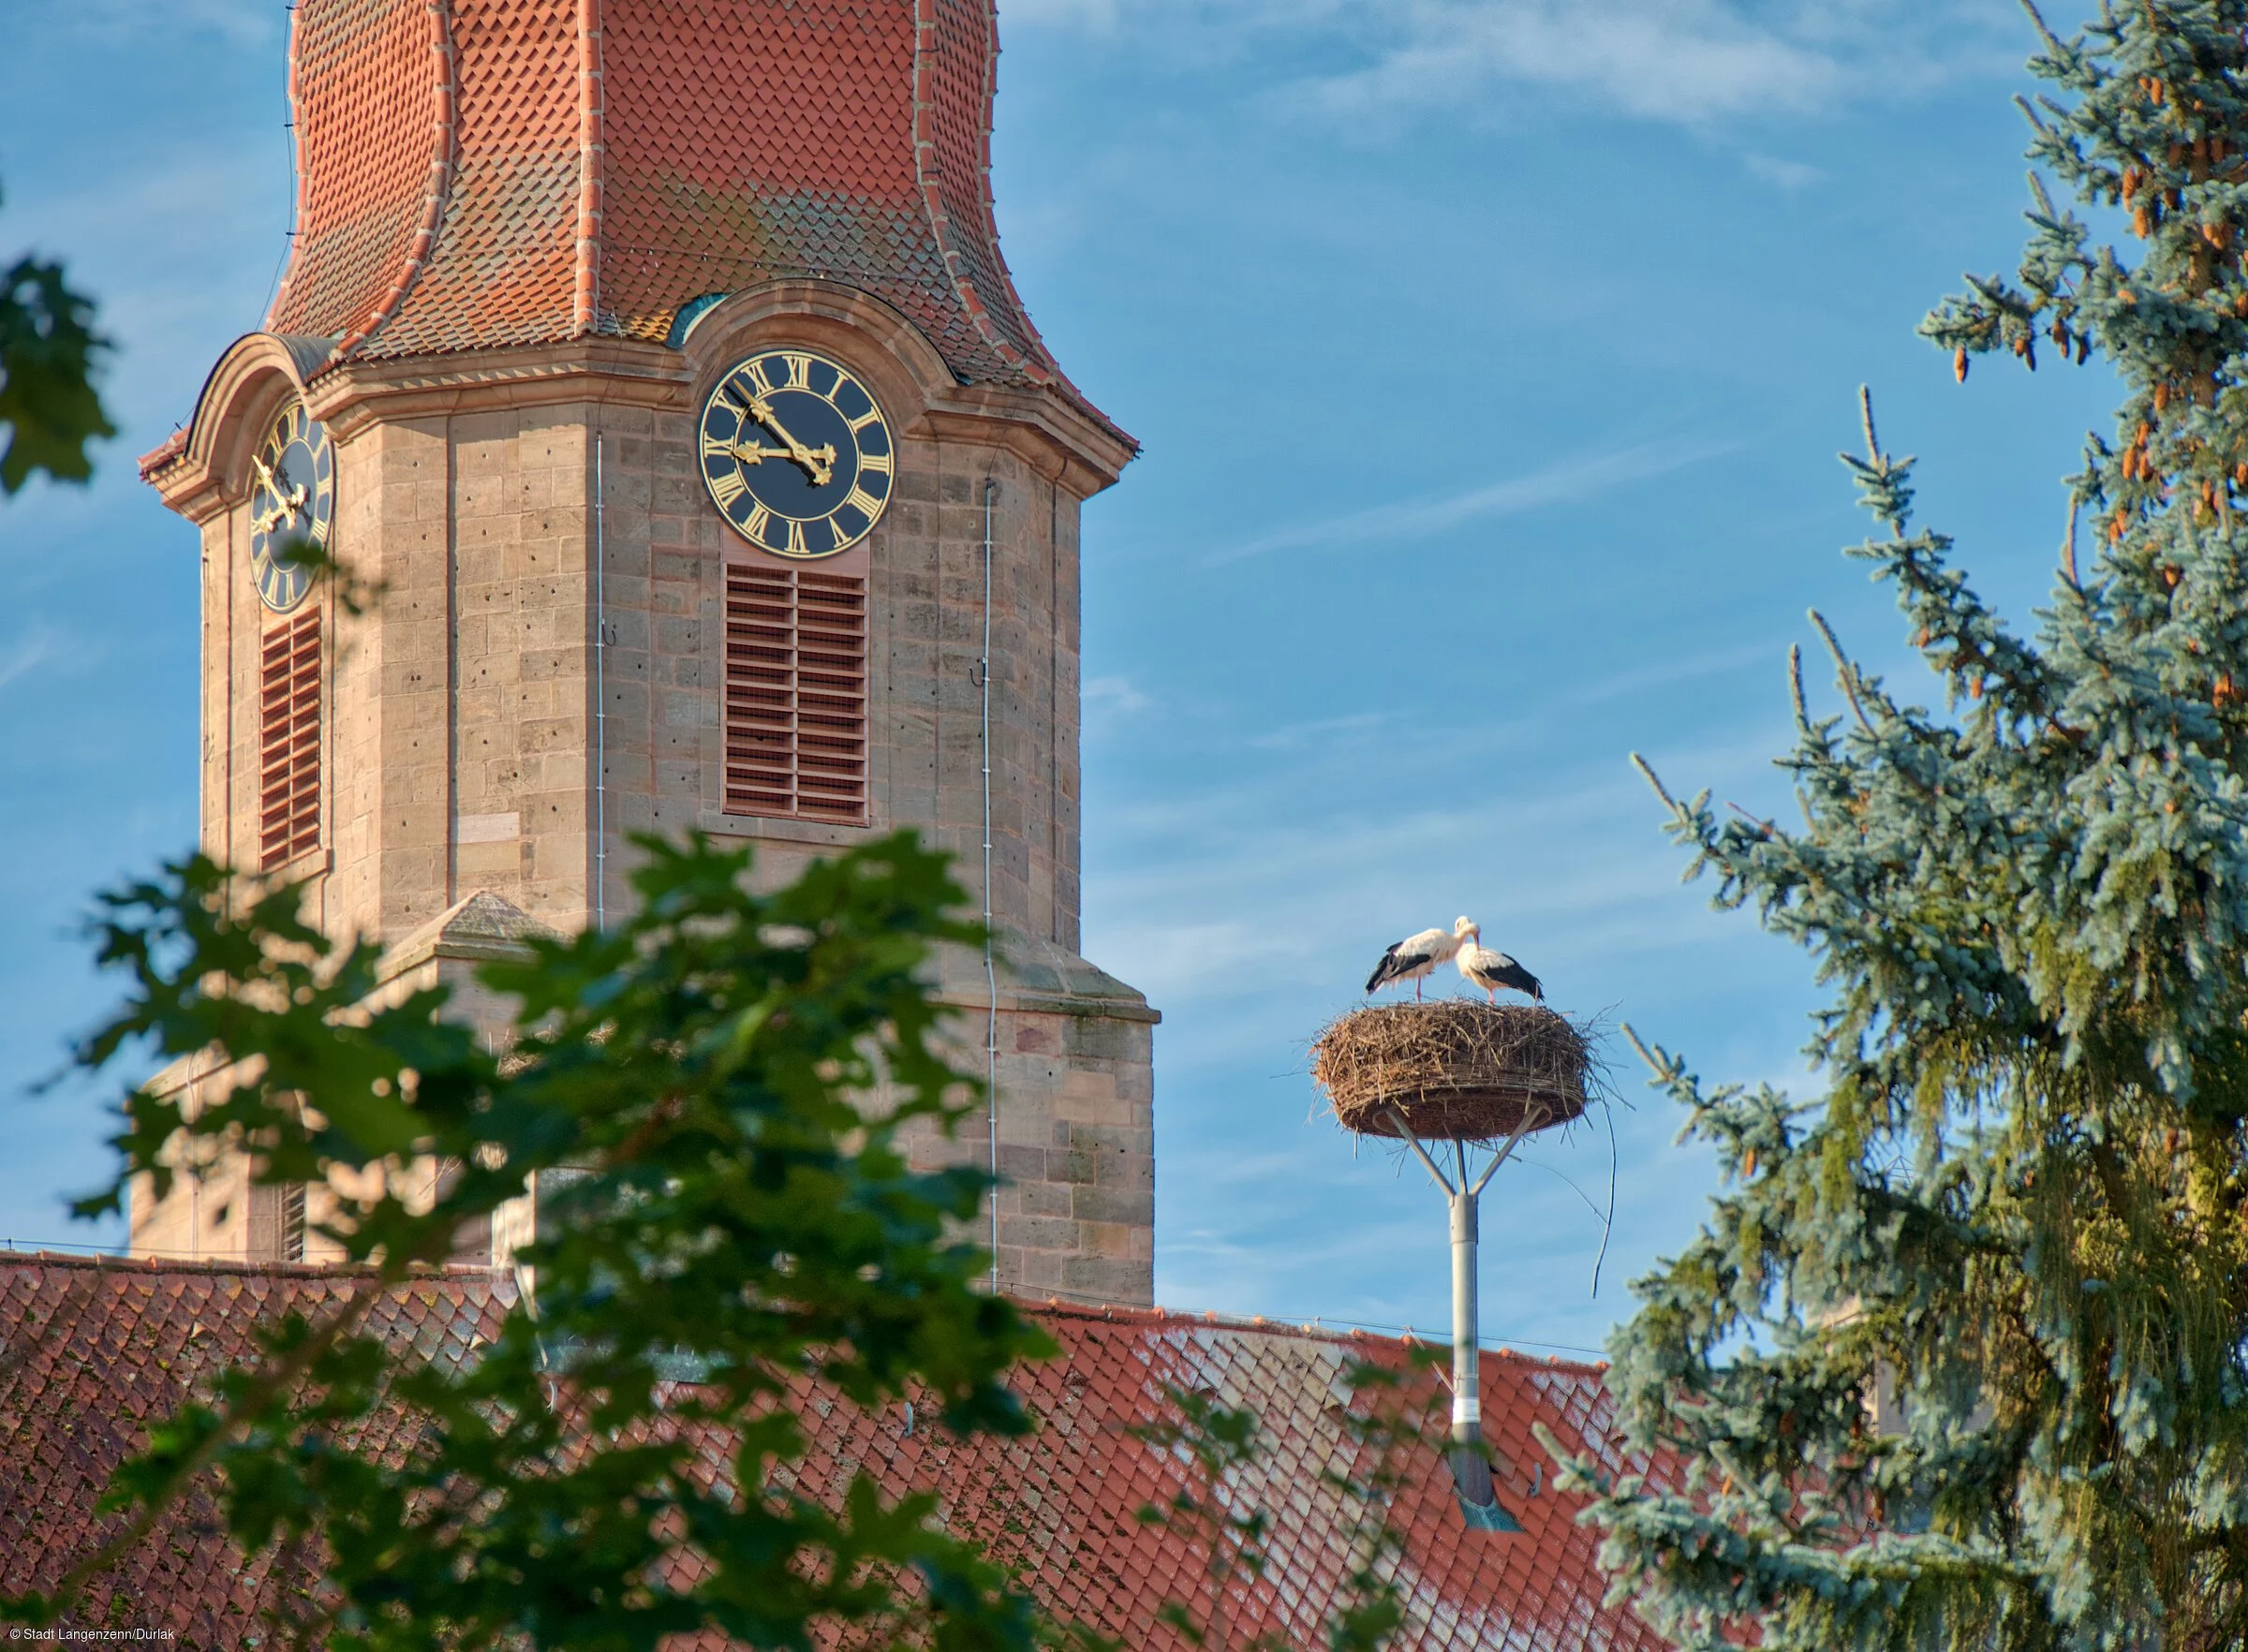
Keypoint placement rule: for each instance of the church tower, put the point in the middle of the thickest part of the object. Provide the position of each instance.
(655, 360)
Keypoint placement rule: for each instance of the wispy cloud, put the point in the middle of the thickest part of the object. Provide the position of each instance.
(20, 657)
(242, 23)
(1326, 730)
(1773, 169)
(1672, 60)
(1693, 62)
(1556, 484)
(1118, 694)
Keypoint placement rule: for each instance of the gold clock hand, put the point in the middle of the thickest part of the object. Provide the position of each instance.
(285, 503)
(820, 462)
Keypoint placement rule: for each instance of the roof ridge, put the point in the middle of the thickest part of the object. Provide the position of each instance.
(928, 173)
(593, 163)
(1312, 1330)
(1036, 362)
(440, 187)
(111, 1262)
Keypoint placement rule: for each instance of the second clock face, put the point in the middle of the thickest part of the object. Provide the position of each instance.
(796, 454)
(292, 498)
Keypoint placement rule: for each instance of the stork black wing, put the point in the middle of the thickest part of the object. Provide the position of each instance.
(1393, 968)
(1511, 974)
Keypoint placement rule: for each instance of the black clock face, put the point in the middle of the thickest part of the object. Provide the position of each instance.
(796, 454)
(293, 499)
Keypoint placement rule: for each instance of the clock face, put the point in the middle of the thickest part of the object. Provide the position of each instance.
(796, 454)
(293, 499)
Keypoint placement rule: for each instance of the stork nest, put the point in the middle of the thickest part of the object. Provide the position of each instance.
(1454, 1069)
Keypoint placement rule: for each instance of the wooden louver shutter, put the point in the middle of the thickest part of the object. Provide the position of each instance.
(288, 786)
(292, 1222)
(795, 693)
(276, 1221)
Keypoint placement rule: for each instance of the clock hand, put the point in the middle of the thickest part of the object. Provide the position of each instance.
(818, 461)
(285, 503)
(285, 509)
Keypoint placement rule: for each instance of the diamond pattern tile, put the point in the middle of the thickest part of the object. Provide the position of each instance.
(489, 173)
(371, 84)
(93, 1353)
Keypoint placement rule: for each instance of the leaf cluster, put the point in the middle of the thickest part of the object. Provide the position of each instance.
(709, 1099)
(49, 407)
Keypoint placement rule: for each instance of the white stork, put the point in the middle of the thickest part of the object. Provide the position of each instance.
(1491, 970)
(1413, 958)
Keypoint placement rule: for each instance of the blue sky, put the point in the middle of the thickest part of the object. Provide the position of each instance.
(1491, 358)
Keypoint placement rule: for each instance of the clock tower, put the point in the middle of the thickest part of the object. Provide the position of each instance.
(655, 362)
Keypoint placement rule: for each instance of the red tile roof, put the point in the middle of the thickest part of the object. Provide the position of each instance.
(89, 1352)
(93, 1352)
(487, 173)
(1061, 1502)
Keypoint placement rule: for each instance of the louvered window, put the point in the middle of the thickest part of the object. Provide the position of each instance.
(292, 1222)
(277, 1222)
(795, 693)
(289, 785)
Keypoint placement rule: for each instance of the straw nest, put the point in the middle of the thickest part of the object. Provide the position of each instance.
(1456, 1070)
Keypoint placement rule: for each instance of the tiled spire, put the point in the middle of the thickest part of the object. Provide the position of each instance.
(479, 173)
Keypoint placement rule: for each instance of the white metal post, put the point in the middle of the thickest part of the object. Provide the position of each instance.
(1467, 1373)
(1470, 1469)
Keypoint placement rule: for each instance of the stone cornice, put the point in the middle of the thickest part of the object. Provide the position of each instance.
(200, 472)
(1043, 430)
(355, 394)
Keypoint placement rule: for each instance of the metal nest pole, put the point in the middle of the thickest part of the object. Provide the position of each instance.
(1478, 1076)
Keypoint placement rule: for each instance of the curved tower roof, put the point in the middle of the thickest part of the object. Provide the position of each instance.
(480, 174)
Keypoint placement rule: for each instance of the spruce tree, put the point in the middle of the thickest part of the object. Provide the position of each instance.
(1961, 1358)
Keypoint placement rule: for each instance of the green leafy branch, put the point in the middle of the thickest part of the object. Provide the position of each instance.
(49, 407)
(721, 1081)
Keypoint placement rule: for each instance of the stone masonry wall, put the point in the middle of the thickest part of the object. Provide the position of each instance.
(461, 734)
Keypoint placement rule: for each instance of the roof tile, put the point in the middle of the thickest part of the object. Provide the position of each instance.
(129, 1342)
(488, 172)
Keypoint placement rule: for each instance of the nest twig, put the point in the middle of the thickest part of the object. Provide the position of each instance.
(1454, 1069)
